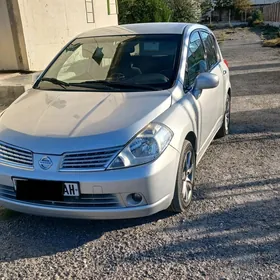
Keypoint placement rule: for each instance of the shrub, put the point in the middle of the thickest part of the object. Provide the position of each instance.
(250, 21)
(211, 26)
(257, 22)
(184, 10)
(257, 15)
(272, 43)
(135, 11)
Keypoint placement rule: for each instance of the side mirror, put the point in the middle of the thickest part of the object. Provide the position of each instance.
(205, 81)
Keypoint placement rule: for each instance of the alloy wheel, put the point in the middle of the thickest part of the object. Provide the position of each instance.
(227, 115)
(188, 178)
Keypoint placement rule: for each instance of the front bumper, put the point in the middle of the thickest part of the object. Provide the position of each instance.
(154, 181)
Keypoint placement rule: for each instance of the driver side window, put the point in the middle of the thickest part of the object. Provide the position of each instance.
(196, 62)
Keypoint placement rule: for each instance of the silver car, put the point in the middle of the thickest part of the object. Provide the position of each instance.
(116, 124)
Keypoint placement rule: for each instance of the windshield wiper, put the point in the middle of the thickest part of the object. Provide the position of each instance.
(92, 84)
(116, 85)
(56, 82)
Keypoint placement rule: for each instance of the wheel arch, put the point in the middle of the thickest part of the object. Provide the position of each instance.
(193, 140)
(229, 91)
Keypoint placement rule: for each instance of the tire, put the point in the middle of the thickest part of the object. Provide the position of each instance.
(224, 130)
(185, 180)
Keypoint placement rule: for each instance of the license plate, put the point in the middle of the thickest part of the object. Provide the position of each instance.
(44, 190)
(71, 189)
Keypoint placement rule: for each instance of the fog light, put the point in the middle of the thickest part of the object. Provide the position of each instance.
(134, 199)
(137, 197)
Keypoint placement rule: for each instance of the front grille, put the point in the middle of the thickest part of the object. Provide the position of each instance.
(15, 156)
(91, 160)
(7, 192)
(88, 201)
(84, 201)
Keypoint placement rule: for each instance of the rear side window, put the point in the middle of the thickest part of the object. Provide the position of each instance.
(196, 59)
(211, 49)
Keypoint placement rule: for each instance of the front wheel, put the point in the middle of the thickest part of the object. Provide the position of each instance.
(185, 180)
(224, 130)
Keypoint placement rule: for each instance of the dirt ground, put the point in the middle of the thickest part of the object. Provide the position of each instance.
(232, 229)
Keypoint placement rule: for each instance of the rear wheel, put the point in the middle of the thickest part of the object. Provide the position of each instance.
(185, 180)
(224, 130)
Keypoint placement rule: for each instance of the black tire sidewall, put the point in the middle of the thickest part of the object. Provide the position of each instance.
(229, 100)
(178, 203)
(222, 132)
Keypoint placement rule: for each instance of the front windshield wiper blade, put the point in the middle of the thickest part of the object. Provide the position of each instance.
(56, 82)
(92, 85)
(119, 85)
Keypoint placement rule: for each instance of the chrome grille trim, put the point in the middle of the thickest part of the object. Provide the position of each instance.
(7, 192)
(84, 201)
(89, 201)
(15, 156)
(96, 160)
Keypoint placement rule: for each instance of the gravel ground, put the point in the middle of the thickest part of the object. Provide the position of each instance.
(232, 229)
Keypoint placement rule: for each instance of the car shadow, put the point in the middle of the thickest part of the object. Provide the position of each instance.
(246, 233)
(252, 67)
(35, 236)
(256, 121)
(246, 186)
(255, 83)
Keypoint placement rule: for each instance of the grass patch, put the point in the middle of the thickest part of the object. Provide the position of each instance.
(6, 214)
(270, 35)
(272, 43)
(270, 32)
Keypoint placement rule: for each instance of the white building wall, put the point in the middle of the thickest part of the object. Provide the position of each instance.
(101, 13)
(263, 2)
(8, 59)
(49, 24)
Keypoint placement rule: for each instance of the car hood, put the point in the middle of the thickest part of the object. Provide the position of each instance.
(55, 122)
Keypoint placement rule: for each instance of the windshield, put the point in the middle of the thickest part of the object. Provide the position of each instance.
(144, 62)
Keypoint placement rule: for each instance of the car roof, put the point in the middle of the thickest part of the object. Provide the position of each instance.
(141, 28)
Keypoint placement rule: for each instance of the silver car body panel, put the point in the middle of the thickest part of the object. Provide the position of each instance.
(50, 124)
(153, 181)
(138, 28)
(54, 124)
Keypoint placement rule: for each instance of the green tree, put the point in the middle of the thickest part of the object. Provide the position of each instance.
(221, 5)
(185, 10)
(257, 15)
(136, 11)
(206, 6)
(242, 6)
(224, 4)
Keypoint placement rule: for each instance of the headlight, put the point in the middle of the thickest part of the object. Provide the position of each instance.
(145, 147)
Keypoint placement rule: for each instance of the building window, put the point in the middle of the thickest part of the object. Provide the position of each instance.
(112, 7)
(89, 11)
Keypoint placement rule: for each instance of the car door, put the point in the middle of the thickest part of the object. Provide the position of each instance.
(206, 105)
(214, 66)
